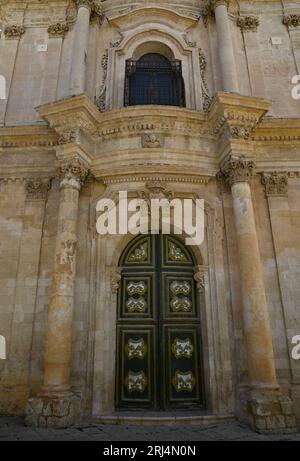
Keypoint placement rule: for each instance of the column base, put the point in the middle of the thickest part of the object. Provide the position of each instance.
(57, 411)
(268, 412)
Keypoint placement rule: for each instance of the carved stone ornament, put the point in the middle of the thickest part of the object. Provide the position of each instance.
(208, 11)
(95, 8)
(117, 42)
(188, 42)
(58, 30)
(152, 141)
(155, 190)
(240, 132)
(204, 87)
(37, 189)
(199, 277)
(115, 280)
(237, 170)
(292, 20)
(68, 137)
(248, 23)
(88, 3)
(14, 32)
(276, 184)
(101, 99)
(73, 169)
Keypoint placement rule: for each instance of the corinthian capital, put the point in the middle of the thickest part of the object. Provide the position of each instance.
(276, 184)
(237, 169)
(88, 3)
(94, 6)
(72, 172)
(215, 3)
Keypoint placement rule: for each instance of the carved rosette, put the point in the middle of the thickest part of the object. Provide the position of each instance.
(37, 189)
(14, 32)
(237, 170)
(292, 21)
(248, 23)
(58, 30)
(276, 184)
(199, 277)
(72, 173)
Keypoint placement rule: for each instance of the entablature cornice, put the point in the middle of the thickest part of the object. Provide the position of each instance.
(277, 130)
(27, 136)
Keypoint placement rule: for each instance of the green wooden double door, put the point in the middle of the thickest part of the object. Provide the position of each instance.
(158, 327)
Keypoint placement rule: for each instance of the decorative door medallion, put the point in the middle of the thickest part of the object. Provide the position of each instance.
(158, 327)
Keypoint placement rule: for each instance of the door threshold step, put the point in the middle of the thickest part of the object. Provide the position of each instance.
(166, 419)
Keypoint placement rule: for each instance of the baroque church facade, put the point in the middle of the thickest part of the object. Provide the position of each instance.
(162, 99)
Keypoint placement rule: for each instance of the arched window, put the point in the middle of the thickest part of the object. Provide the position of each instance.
(154, 79)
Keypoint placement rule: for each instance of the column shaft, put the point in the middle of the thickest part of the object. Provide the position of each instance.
(60, 315)
(260, 356)
(225, 46)
(80, 46)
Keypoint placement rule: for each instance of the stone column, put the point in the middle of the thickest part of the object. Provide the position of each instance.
(263, 405)
(225, 46)
(80, 46)
(57, 406)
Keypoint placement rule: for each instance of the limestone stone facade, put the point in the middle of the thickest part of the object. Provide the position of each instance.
(66, 140)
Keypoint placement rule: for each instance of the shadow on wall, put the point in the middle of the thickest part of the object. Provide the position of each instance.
(2, 348)
(2, 87)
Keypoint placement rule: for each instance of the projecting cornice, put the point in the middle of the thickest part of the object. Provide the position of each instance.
(235, 117)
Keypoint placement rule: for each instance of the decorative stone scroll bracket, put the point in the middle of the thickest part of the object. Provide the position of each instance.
(115, 280)
(199, 276)
(276, 184)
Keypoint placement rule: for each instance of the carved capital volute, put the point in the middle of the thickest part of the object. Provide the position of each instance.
(276, 184)
(199, 277)
(72, 173)
(237, 169)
